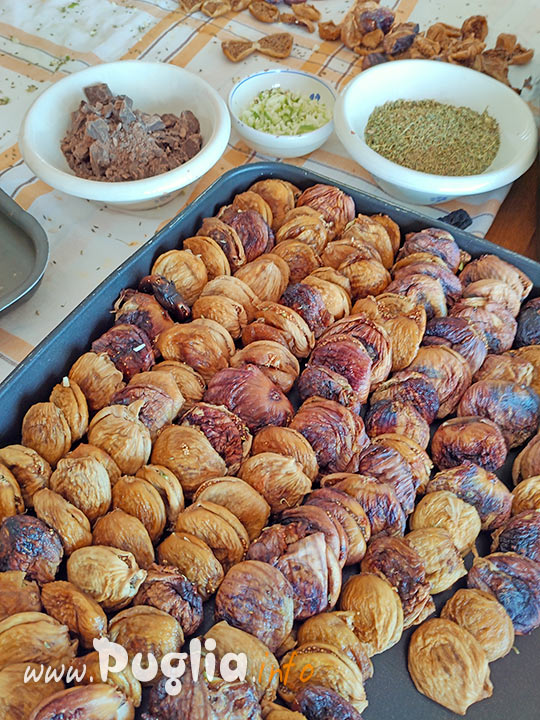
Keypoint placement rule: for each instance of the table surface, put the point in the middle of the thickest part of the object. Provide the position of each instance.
(42, 41)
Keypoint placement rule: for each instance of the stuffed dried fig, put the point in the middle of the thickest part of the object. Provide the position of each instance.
(85, 450)
(293, 328)
(468, 440)
(279, 479)
(331, 669)
(490, 318)
(128, 347)
(336, 207)
(478, 487)
(445, 510)
(17, 594)
(203, 344)
(186, 270)
(514, 408)
(186, 452)
(257, 598)
(492, 267)
(317, 702)
(506, 367)
(11, 500)
(189, 382)
(125, 532)
(168, 486)
(17, 697)
(527, 463)
(110, 576)
(71, 524)
(448, 665)
(85, 701)
(300, 258)
(224, 430)
(46, 430)
(279, 196)
(248, 392)
(227, 239)
(70, 399)
(305, 225)
(396, 416)
(238, 497)
(124, 681)
(74, 608)
(219, 528)
(139, 498)
(84, 482)
(252, 229)
(118, 431)
(194, 559)
(459, 334)
(336, 434)
(526, 495)
(142, 310)
(443, 564)
(519, 534)
(412, 453)
(228, 313)
(435, 241)
(33, 637)
(289, 443)
(514, 581)
(273, 359)
(484, 617)
(97, 377)
(422, 290)
(27, 544)
(528, 330)
(412, 387)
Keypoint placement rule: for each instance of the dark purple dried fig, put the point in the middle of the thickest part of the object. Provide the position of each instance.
(336, 207)
(434, 241)
(254, 233)
(413, 388)
(129, 348)
(528, 330)
(167, 296)
(386, 465)
(380, 19)
(397, 416)
(400, 38)
(309, 519)
(142, 310)
(28, 544)
(459, 334)
(519, 534)
(448, 371)
(468, 439)
(227, 239)
(492, 320)
(330, 385)
(309, 304)
(450, 283)
(347, 356)
(515, 581)
(322, 703)
(372, 59)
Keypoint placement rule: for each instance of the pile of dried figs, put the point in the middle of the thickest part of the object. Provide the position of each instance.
(171, 466)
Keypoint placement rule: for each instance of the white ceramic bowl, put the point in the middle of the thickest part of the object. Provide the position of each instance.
(452, 84)
(281, 146)
(154, 87)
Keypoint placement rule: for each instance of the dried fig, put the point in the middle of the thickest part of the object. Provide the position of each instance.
(526, 495)
(430, 266)
(506, 367)
(519, 534)
(227, 239)
(490, 318)
(186, 270)
(33, 637)
(70, 399)
(236, 290)
(128, 347)
(336, 207)
(167, 296)
(308, 302)
(317, 702)
(527, 462)
(443, 564)
(252, 229)
(492, 267)
(46, 431)
(29, 469)
(228, 313)
(83, 482)
(293, 329)
(69, 521)
(412, 453)
(422, 290)
(306, 225)
(435, 241)
(17, 697)
(97, 377)
(74, 608)
(273, 359)
(250, 200)
(531, 354)
(386, 465)
(168, 486)
(18, 595)
(124, 681)
(287, 442)
(139, 498)
(194, 559)
(142, 310)
(280, 480)
(279, 196)
(495, 291)
(125, 532)
(118, 431)
(27, 544)
(189, 382)
(214, 259)
(445, 510)
(459, 334)
(11, 500)
(300, 258)
(85, 450)
(336, 295)
(87, 700)
(528, 329)
(469, 440)
(368, 231)
(411, 387)
(267, 276)
(396, 416)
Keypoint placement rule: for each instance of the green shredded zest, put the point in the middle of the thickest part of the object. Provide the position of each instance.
(282, 112)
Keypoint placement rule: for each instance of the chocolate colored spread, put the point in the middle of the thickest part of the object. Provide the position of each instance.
(109, 140)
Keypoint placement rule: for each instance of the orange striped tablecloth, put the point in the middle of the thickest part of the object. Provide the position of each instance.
(41, 41)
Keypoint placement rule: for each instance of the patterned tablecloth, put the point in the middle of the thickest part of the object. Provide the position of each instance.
(41, 41)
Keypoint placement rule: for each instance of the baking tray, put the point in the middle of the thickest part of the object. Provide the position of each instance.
(391, 694)
(24, 253)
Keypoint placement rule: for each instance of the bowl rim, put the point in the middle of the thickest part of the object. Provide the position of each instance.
(259, 135)
(128, 190)
(410, 179)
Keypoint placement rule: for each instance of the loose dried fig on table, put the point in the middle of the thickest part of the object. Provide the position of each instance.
(46, 430)
(459, 334)
(17, 594)
(289, 443)
(278, 195)
(85, 450)
(227, 239)
(279, 479)
(490, 318)
(110, 576)
(83, 482)
(336, 207)
(203, 344)
(186, 452)
(469, 440)
(386, 465)
(224, 430)
(316, 701)
(448, 665)
(168, 486)
(484, 617)
(257, 598)
(194, 559)
(142, 310)
(396, 416)
(128, 347)
(213, 257)
(238, 497)
(139, 498)
(71, 524)
(124, 681)
(33, 637)
(189, 382)
(86, 701)
(488, 267)
(252, 229)
(118, 431)
(478, 487)
(412, 387)
(11, 500)
(417, 458)
(273, 359)
(219, 528)
(445, 510)
(434, 241)
(526, 495)
(186, 270)
(443, 563)
(70, 399)
(27, 544)
(519, 534)
(74, 608)
(125, 532)
(166, 295)
(17, 697)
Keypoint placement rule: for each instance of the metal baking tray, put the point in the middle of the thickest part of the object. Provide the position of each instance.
(391, 693)
(24, 253)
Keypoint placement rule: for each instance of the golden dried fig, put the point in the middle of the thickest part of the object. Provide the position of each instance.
(369, 231)
(445, 510)
(267, 276)
(377, 618)
(290, 443)
(71, 524)
(27, 544)
(185, 270)
(492, 267)
(306, 225)
(331, 669)
(238, 497)
(273, 359)
(495, 291)
(189, 382)
(74, 608)
(367, 276)
(17, 697)
(97, 377)
(236, 290)
(194, 559)
(228, 313)
(208, 250)
(272, 711)
(484, 617)
(46, 430)
(139, 498)
(91, 701)
(506, 367)
(526, 495)
(84, 450)
(448, 665)
(110, 576)
(298, 336)
(262, 666)
(250, 200)
(18, 594)
(300, 258)
(257, 598)
(84, 482)
(33, 637)
(125, 532)
(279, 196)
(69, 397)
(336, 207)
(336, 295)
(168, 486)
(530, 354)
(280, 480)
(444, 565)
(218, 528)
(11, 500)
(527, 462)
(188, 454)
(124, 681)
(118, 431)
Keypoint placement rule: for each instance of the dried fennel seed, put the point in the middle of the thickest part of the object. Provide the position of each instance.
(432, 137)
